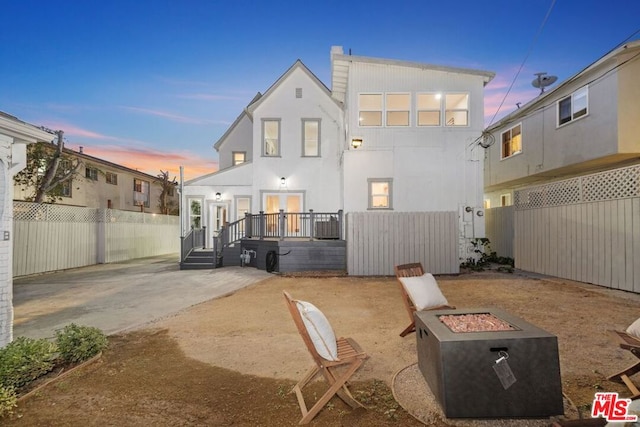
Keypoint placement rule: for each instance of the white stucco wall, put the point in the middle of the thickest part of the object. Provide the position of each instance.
(239, 139)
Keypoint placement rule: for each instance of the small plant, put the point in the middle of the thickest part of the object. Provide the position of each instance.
(25, 359)
(79, 343)
(8, 400)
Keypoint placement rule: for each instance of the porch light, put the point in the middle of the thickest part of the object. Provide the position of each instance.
(356, 142)
(218, 197)
(283, 181)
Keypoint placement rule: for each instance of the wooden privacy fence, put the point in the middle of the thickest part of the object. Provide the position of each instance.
(499, 228)
(377, 241)
(585, 229)
(53, 237)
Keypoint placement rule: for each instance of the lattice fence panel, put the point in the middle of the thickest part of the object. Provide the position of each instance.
(27, 211)
(609, 185)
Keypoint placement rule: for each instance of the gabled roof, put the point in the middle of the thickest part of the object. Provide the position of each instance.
(340, 69)
(297, 65)
(23, 130)
(223, 138)
(542, 98)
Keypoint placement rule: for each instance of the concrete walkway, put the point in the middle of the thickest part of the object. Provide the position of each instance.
(119, 296)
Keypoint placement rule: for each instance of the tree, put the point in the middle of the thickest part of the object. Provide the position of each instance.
(167, 206)
(48, 169)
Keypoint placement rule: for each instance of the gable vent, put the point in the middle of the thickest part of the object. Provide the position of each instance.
(298, 92)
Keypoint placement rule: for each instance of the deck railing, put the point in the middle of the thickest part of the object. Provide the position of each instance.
(193, 239)
(282, 225)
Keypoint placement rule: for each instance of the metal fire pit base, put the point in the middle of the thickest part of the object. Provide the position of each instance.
(459, 367)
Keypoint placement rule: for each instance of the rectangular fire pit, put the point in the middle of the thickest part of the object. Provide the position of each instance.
(459, 366)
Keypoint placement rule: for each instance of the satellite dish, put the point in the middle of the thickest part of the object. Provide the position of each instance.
(542, 80)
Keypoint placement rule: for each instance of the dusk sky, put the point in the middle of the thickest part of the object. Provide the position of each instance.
(152, 85)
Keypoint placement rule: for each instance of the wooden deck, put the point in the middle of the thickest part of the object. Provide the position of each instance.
(292, 254)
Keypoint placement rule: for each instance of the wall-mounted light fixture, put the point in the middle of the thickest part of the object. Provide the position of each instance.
(468, 209)
(283, 181)
(218, 197)
(356, 142)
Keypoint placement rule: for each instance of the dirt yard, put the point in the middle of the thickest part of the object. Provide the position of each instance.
(231, 361)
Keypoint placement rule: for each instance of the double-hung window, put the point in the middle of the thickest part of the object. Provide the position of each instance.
(398, 107)
(91, 173)
(310, 137)
(141, 192)
(271, 137)
(573, 106)
(370, 109)
(429, 106)
(380, 194)
(112, 178)
(512, 141)
(456, 109)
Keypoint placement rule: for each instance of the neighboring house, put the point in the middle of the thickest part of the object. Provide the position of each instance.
(390, 138)
(103, 184)
(14, 137)
(570, 160)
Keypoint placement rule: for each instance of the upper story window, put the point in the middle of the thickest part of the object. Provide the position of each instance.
(112, 178)
(370, 109)
(456, 109)
(429, 106)
(91, 173)
(380, 194)
(512, 141)
(239, 157)
(310, 137)
(141, 192)
(573, 106)
(398, 106)
(271, 137)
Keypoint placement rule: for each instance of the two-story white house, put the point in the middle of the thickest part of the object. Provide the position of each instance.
(389, 140)
(569, 163)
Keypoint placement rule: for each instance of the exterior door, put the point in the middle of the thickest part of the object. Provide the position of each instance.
(292, 204)
(217, 215)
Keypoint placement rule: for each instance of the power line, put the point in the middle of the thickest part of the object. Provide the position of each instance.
(535, 39)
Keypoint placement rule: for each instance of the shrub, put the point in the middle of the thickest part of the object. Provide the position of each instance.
(79, 343)
(24, 360)
(8, 400)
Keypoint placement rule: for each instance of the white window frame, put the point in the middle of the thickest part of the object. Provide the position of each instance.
(304, 137)
(371, 194)
(448, 110)
(142, 187)
(573, 114)
(388, 110)
(191, 215)
(264, 140)
(438, 96)
(235, 161)
(510, 142)
(361, 110)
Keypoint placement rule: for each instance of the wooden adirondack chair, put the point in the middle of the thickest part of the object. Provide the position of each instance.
(413, 270)
(348, 358)
(631, 343)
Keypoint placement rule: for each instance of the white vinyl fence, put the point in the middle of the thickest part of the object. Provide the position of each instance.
(53, 237)
(377, 241)
(585, 229)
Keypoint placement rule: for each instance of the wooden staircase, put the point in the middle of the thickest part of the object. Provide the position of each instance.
(199, 259)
